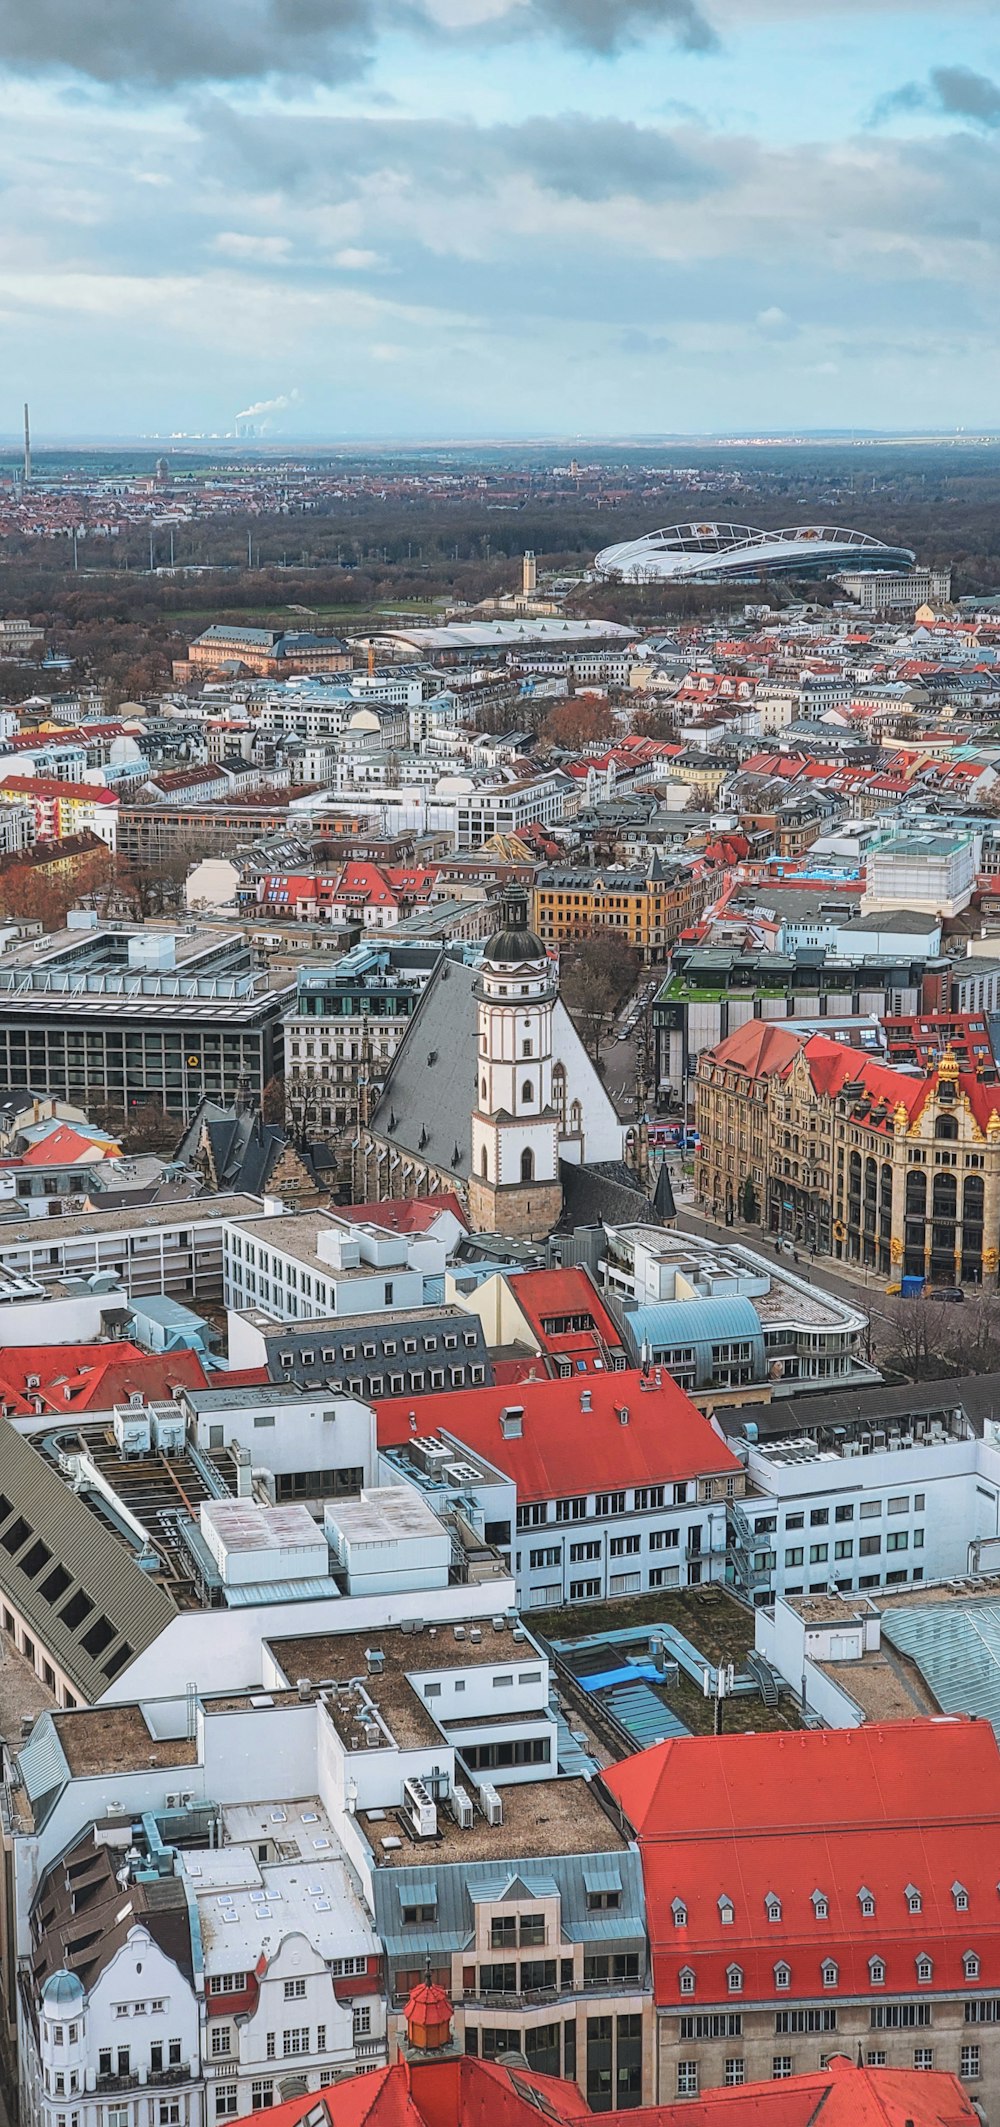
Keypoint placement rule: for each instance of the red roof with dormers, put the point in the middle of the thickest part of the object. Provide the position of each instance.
(764, 1048)
(457, 2091)
(92, 1377)
(885, 1812)
(549, 1297)
(564, 1446)
(832, 1065)
(378, 886)
(452, 2091)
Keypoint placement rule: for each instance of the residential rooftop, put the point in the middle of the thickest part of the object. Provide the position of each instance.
(113, 1738)
(346, 1656)
(561, 1816)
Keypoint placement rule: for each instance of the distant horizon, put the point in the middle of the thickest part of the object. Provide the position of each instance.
(12, 442)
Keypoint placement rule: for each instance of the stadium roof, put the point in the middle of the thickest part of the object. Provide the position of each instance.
(682, 552)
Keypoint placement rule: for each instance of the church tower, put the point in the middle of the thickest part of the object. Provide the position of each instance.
(514, 1184)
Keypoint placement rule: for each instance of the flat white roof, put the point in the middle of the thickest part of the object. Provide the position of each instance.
(242, 1525)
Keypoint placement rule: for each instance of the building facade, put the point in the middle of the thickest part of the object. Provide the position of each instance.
(783, 1931)
(851, 1157)
(343, 1030)
(648, 909)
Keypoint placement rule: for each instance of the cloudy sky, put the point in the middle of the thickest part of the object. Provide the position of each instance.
(499, 217)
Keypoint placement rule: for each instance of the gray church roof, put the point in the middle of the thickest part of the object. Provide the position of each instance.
(429, 1094)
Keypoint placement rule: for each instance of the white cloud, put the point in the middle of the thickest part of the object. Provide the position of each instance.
(269, 250)
(353, 260)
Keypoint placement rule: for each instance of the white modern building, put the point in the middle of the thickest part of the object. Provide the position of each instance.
(311, 1265)
(931, 873)
(888, 1509)
(719, 1318)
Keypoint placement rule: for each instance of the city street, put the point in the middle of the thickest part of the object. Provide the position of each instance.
(619, 1058)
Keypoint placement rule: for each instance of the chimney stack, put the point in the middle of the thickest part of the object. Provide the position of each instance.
(27, 446)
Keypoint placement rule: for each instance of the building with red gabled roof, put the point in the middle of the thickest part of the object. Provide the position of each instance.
(399, 1214)
(829, 1885)
(557, 1320)
(620, 1483)
(840, 1150)
(62, 809)
(41, 1380)
(458, 2091)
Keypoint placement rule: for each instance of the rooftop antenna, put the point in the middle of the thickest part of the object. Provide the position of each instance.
(27, 445)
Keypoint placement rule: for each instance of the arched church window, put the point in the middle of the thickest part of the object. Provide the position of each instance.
(527, 1090)
(559, 1090)
(527, 1165)
(483, 1165)
(483, 1089)
(576, 1116)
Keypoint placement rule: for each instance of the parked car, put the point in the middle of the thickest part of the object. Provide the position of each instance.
(947, 1292)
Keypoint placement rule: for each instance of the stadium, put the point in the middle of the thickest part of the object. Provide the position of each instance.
(718, 553)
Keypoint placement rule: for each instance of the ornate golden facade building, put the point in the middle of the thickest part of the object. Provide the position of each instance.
(846, 1156)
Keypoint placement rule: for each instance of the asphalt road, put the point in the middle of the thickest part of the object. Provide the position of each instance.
(619, 1057)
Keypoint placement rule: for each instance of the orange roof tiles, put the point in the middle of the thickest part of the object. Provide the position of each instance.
(736, 1820)
(564, 1446)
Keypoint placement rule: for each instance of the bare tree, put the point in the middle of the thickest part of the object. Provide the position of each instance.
(601, 972)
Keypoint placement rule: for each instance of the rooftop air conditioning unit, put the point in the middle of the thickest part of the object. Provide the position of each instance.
(460, 1805)
(490, 1803)
(420, 1809)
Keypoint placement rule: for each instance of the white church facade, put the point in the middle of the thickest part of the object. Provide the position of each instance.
(491, 1093)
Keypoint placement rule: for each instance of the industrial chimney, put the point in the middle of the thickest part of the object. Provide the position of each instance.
(27, 446)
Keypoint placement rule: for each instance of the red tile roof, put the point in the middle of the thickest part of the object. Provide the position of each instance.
(464, 2092)
(404, 1215)
(564, 1447)
(880, 1808)
(764, 1048)
(67, 1148)
(757, 1047)
(550, 1295)
(91, 1377)
(49, 786)
(842, 2095)
(450, 2092)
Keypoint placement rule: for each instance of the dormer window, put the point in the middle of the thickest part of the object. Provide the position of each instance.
(867, 1904)
(925, 1971)
(876, 1971)
(961, 1897)
(727, 1911)
(830, 1974)
(734, 1978)
(773, 1905)
(782, 1978)
(686, 1980)
(913, 1898)
(821, 1905)
(680, 1913)
(970, 1965)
